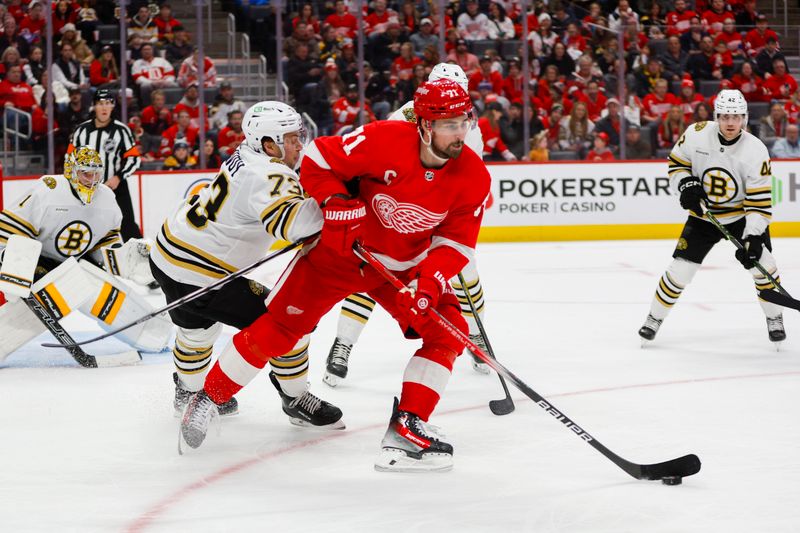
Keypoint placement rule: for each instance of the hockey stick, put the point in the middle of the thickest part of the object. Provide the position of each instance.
(68, 343)
(191, 296)
(780, 296)
(674, 468)
(498, 407)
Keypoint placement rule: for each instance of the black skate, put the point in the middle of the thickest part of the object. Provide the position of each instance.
(477, 363)
(197, 416)
(775, 329)
(648, 331)
(182, 397)
(307, 410)
(411, 445)
(336, 365)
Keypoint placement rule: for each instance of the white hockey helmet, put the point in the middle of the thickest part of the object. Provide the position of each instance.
(731, 102)
(271, 119)
(451, 72)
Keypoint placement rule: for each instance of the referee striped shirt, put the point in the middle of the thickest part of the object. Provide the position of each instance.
(115, 144)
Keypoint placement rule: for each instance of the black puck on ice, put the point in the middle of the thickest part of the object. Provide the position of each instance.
(672, 480)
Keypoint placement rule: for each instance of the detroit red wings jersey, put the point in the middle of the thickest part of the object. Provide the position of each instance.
(410, 208)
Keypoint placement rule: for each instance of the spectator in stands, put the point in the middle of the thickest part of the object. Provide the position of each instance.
(610, 123)
(16, 93)
(377, 22)
(655, 18)
(181, 157)
(553, 125)
(747, 18)
(67, 70)
(134, 50)
(689, 99)
(301, 35)
(594, 99)
(714, 18)
(679, 20)
(410, 17)
(792, 107)
(464, 59)
(15, 9)
(156, 119)
(307, 15)
(539, 152)
(623, 14)
(703, 112)
(765, 59)
(213, 157)
(512, 84)
(691, 41)
(671, 128)
(191, 103)
(674, 58)
(406, 88)
(87, 24)
(182, 129)
(348, 63)
(750, 84)
(60, 93)
(74, 113)
(142, 25)
(544, 38)
(32, 25)
(574, 41)
(180, 47)
(330, 45)
(430, 58)
(485, 74)
(607, 56)
(756, 39)
(731, 38)
(647, 77)
(512, 128)
(787, 147)
(424, 37)
(635, 146)
(152, 72)
(561, 59)
(103, 72)
(188, 72)
(224, 102)
(231, 136)
(378, 92)
(500, 26)
(585, 73)
(302, 69)
(343, 22)
(403, 65)
(9, 58)
(656, 104)
(385, 46)
(494, 149)
(70, 36)
(346, 110)
(700, 66)
(472, 24)
(600, 150)
(64, 12)
(576, 130)
(35, 66)
(781, 85)
(166, 24)
(773, 125)
(10, 37)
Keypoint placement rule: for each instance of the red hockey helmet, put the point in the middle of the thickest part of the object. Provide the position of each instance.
(440, 99)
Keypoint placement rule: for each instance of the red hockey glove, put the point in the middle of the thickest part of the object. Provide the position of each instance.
(343, 223)
(422, 294)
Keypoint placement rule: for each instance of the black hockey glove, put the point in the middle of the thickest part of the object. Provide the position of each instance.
(692, 194)
(753, 246)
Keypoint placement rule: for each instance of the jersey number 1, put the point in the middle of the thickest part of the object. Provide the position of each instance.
(353, 139)
(200, 214)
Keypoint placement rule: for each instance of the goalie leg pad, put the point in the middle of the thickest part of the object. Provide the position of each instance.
(192, 354)
(18, 325)
(63, 289)
(291, 369)
(112, 304)
(19, 263)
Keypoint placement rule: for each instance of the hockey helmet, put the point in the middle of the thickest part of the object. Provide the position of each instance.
(449, 71)
(83, 168)
(271, 119)
(731, 102)
(442, 98)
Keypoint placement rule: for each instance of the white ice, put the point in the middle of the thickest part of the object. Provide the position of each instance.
(95, 450)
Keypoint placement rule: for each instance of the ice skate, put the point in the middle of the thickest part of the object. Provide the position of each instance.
(197, 416)
(776, 332)
(336, 365)
(648, 331)
(477, 363)
(307, 410)
(411, 445)
(182, 397)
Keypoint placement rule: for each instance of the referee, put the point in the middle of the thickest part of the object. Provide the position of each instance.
(114, 142)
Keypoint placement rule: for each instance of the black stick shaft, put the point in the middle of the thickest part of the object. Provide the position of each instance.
(65, 339)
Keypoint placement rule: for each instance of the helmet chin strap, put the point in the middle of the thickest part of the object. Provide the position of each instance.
(428, 144)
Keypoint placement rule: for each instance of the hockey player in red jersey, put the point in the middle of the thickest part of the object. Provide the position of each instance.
(418, 207)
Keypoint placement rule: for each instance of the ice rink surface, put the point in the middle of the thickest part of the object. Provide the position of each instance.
(96, 450)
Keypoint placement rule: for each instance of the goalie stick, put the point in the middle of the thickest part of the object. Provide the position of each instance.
(68, 343)
(674, 468)
(498, 407)
(191, 296)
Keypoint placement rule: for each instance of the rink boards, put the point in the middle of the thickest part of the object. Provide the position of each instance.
(529, 201)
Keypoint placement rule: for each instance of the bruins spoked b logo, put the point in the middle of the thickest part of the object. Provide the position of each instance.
(73, 239)
(720, 185)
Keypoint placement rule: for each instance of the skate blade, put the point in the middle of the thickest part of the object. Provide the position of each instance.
(331, 380)
(394, 460)
(777, 345)
(179, 414)
(339, 424)
(214, 431)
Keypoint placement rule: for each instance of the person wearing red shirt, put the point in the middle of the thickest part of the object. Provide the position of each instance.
(732, 38)
(33, 24)
(346, 109)
(601, 151)
(156, 118)
(418, 209)
(512, 84)
(403, 65)
(489, 124)
(232, 135)
(166, 23)
(714, 18)
(689, 100)
(679, 21)
(378, 21)
(656, 104)
(191, 104)
(461, 55)
(182, 128)
(594, 99)
(103, 69)
(64, 12)
(750, 84)
(792, 108)
(756, 39)
(485, 74)
(307, 15)
(721, 61)
(574, 41)
(15, 92)
(781, 85)
(343, 22)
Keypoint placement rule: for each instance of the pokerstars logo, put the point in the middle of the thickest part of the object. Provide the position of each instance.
(793, 187)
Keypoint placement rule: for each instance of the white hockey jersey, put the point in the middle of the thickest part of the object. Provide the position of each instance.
(253, 202)
(736, 177)
(52, 214)
(473, 140)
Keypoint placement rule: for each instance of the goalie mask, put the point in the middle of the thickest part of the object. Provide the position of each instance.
(83, 168)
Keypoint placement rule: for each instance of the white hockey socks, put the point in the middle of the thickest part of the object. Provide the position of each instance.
(192, 354)
(291, 369)
(356, 310)
(767, 260)
(678, 275)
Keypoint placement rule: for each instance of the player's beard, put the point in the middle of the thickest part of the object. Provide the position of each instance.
(451, 151)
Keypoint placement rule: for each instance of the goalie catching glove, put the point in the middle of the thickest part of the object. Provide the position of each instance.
(129, 261)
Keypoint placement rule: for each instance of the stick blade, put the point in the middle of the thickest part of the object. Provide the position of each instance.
(131, 357)
(779, 299)
(687, 465)
(502, 407)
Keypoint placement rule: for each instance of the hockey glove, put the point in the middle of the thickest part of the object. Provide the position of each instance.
(422, 294)
(343, 222)
(753, 246)
(692, 195)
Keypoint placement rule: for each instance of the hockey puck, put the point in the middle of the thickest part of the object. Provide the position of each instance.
(672, 480)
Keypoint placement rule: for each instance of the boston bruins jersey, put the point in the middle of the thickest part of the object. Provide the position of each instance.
(473, 140)
(52, 214)
(232, 222)
(736, 177)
